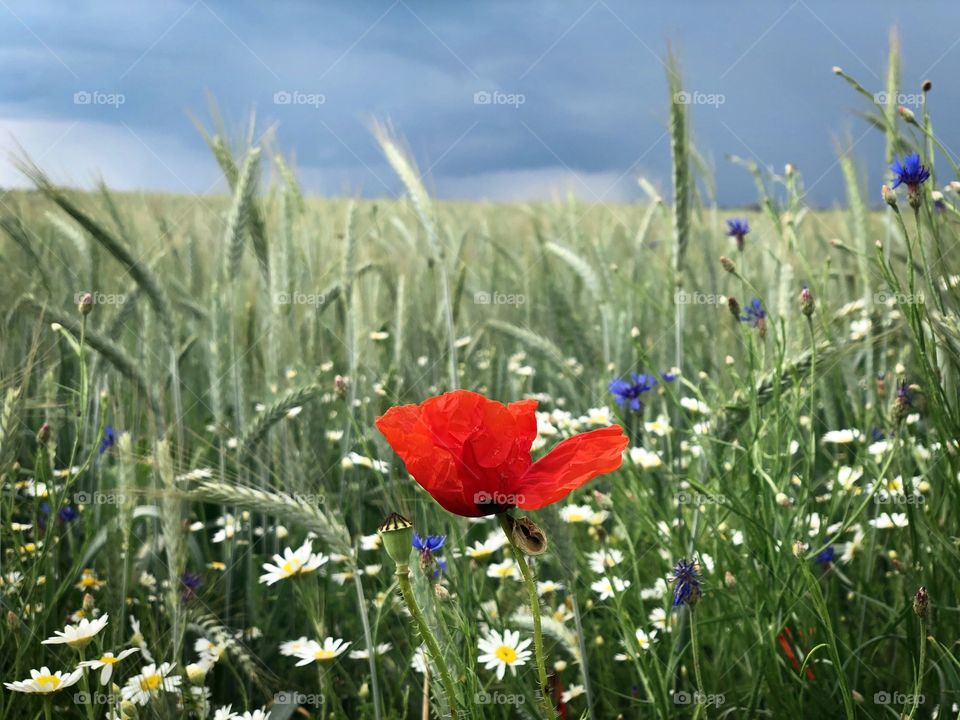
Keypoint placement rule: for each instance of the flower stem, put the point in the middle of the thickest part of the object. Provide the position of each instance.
(403, 578)
(48, 708)
(920, 670)
(531, 584)
(695, 647)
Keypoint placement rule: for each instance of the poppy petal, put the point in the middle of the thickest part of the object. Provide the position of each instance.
(569, 465)
(432, 466)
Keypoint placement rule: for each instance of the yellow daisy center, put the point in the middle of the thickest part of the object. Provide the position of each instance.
(290, 566)
(150, 682)
(325, 654)
(576, 517)
(507, 654)
(108, 659)
(48, 681)
(477, 554)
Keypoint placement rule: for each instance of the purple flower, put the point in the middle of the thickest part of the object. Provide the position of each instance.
(910, 172)
(189, 584)
(429, 543)
(108, 441)
(738, 228)
(627, 392)
(754, 313)
(686, 577)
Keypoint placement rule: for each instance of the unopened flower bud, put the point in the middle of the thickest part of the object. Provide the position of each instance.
(734, 307)
(729, 580)
(196, 673)
(807, 304)
(889, 196)
(927, 86)
(128, 710)
(340, 384)
(789, 169)
(921, 603)
(837, 70)
(441, 592)
(43, 434)
(88, 603)
(85, 304)
(727, 264)
(907, 115)
(396, 532)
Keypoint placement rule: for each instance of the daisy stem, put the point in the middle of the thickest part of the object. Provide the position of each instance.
(48, 708)
(695, 647)
(920, 670)
(531, 584)
(403, 578)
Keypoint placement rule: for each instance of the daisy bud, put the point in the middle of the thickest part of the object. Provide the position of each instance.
(526, 535)
(857, 697)
(396, 532)
(88, 603)
(807, 304)
(921, 603)
(43, 434)
(560, 665)
(85, 305)
(128, 710)
(889, 197)
(789, 169)
(196, 673)
(727, 264)
(364, 692)
(837, 70)
(907, 115)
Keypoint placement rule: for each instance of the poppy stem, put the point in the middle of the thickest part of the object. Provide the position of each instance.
(531, 584)
(403, 579)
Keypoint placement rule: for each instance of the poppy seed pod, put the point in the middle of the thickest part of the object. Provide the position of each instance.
(396, 532)
(527, 535)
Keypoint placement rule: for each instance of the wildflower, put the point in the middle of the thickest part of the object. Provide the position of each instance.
(79, 635)
(687, 583)
(546, 587)
(921, 603)
(887, 521)
(486, 548)
(659, 427)
(807, 303)
(603, 560)
(576, 513)
(44, 682)
(504, 570)
(627, 393)
(210, 652)
(902, 402)
(85, 304)
(420, 660)
(910, 172)
(472, 454)
(825, 556)
(606, 587)
(738, 228)
(428, 546)
(841, 437)
(645, 641)
(695, 406)
(329, 650)
(189, 584)
(106, 662)
(89, 580)
(381, 649)
(293, 562)
(149, 683)
(108, 441)
(644, 458)
(291, 648)
(733, 305)
(574, 691)
(504, 650)
(756, 315)
(727, 264)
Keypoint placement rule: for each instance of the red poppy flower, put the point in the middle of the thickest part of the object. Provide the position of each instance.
(473, 454)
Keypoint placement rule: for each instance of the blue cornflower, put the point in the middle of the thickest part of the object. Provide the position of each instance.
(628, 392)
(108, 441)
(756, 315)
(189, 584)
(910, 172)
(687, 578)
(738, 228)
(430, 543)
(826, 556)
(668, 376)
(67, 514)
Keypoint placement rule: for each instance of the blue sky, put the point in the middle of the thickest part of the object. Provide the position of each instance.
(576, 91)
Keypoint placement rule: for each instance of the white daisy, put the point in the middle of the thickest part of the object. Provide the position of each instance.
(79, 635)
(292, 648)
(607, 586)
(210, 652)
(890, 520)
(645, 641)
(225, 713)
(293, 562)
(660, 426)
(841, 437)
(106, 662)
(480, 550)
(381, 649)
(261, 714)
(137, 639)
(548, 586)
(44, 682)
(315, 652)
(574, 692)
(502, 570)
(645, 458)
(658, 618)
(603, 560)
(503, 651)
(576, 513)
(229, 526)
(151, 681)
(853, 548)
(420, 661)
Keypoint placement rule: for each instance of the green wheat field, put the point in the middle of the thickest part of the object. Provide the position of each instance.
(189, 386)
